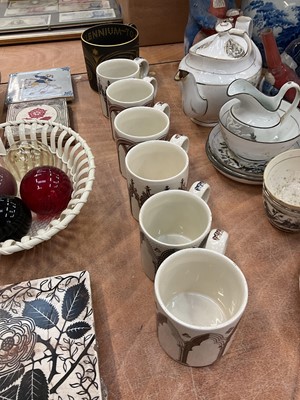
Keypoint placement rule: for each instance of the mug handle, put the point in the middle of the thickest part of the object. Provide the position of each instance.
(164, 107)
(201, 189)
(153, 82)
(181, 141)
(217, 240)
(143, 65)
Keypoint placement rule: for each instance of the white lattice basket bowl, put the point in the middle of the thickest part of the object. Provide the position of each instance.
(72, 155)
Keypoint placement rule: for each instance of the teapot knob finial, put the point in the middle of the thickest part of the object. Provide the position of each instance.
(284, 88)
(223, 26)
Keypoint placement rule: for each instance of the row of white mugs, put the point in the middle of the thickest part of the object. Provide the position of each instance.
(200, 293)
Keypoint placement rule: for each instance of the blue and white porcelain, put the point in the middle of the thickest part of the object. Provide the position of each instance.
(282, 16)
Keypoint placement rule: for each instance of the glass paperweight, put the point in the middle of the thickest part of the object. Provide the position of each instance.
(15, 218)
(8, 184)
(46, 190)
(24, 155)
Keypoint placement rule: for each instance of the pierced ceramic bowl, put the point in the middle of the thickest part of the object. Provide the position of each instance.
(71, 154)
(252, 144)
(281, 191)
(24, 155)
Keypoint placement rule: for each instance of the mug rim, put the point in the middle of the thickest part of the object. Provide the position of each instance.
(156, 142)
(175, 192)
(109, 45)
(138, 139)
(122, 82)
(115, 61)
(233, 320)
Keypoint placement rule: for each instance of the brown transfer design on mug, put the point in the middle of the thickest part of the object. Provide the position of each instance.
(217, 234)
(146, 193)
(125, 144)
(199, 186)
(157, 256)
(186, 344)
(102, 92)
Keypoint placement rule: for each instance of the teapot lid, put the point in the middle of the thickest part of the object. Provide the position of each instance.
(224, 52)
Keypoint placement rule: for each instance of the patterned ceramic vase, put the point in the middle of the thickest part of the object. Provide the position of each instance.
(282, 16)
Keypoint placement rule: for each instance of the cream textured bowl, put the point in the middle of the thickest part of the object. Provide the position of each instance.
(72, 155)
(281, 191)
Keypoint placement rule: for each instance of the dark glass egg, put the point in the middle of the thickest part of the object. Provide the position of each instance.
(15, 218)
(46, 190)
(8, 184)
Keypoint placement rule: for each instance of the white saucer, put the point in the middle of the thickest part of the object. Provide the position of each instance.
(230, 165)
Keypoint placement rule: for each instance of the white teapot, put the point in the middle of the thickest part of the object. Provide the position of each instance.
(212, 64)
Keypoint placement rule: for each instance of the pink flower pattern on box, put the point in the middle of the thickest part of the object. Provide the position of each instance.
(39, 113)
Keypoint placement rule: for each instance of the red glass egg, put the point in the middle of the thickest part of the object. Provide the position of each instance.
(8, 184)
(15, 218)
(46, 190)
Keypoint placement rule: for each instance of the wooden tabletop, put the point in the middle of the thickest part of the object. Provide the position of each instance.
(263, 361)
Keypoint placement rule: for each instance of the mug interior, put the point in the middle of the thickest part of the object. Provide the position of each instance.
(156, 160)
(175, 217)
(141, 122)
(201, 288)
(117, 68)
(129, 90)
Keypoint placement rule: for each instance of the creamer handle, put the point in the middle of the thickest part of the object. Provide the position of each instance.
(284, 88)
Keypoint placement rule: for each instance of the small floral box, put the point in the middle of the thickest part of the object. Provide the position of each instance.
(52, 110)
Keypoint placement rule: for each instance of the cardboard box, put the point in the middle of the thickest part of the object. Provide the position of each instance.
(158, 21)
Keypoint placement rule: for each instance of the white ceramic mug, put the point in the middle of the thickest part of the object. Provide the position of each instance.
(200, 297)
(140, 124)
(114, 69)
(131, 92)
(154, 166)
(174, 220)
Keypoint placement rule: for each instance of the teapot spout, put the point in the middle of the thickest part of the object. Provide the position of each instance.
(245, 24)
(194, 106)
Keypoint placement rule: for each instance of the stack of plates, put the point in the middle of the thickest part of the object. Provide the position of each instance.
(229, 164)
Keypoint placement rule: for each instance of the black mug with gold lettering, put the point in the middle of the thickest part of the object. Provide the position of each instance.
(107, 41)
